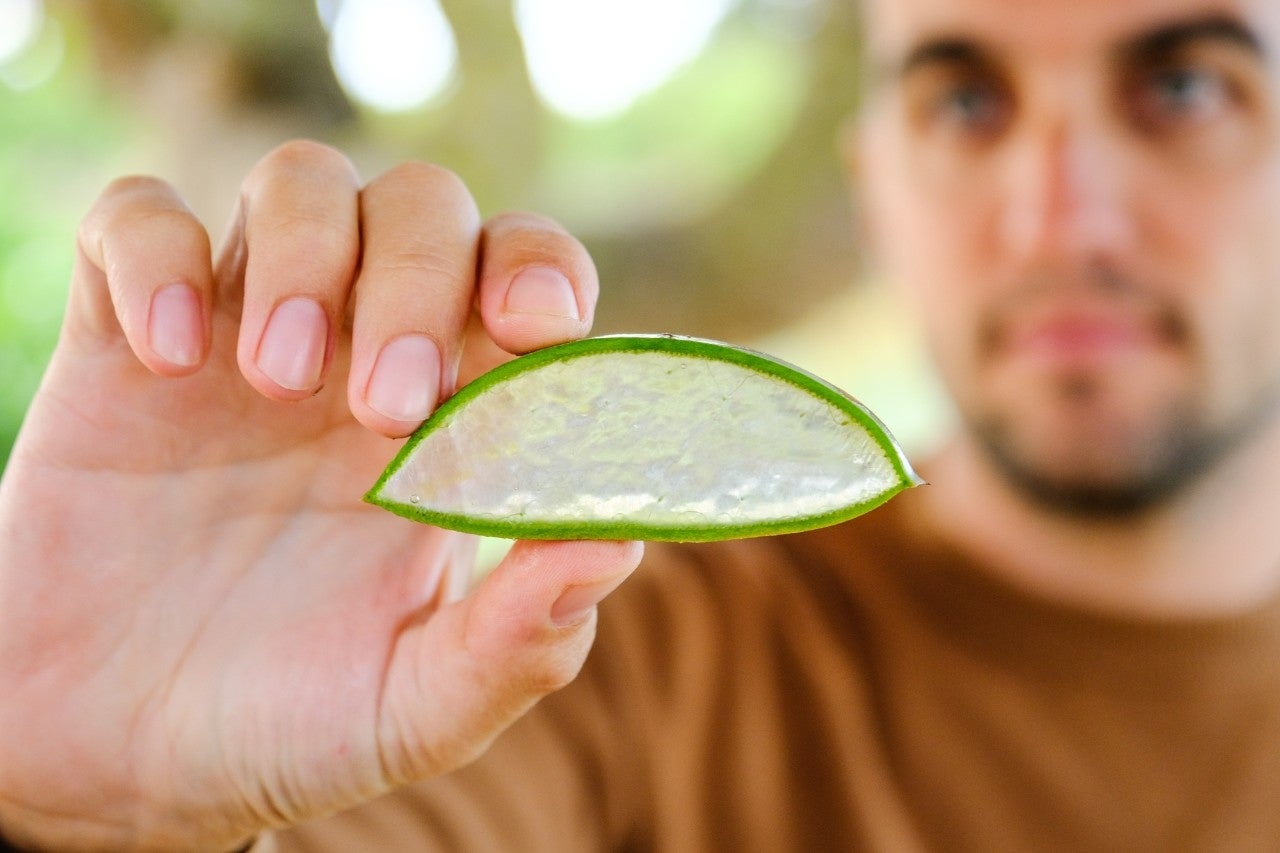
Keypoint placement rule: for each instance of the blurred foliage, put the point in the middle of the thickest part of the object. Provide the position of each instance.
(57, 140)
(715, 206)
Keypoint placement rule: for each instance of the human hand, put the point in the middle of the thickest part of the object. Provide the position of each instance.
(203, 631)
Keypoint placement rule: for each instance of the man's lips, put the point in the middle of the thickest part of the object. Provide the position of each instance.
(1072, 337)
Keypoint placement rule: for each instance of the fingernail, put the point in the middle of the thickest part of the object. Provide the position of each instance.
(577, 602)
(291, 353)
(405, 379)
(542, 291)
(176, 327)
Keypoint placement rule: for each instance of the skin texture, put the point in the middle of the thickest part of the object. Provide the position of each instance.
(1081, 205)
(202, 622)
(197, 613)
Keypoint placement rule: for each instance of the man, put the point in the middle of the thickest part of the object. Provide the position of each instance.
(1068, 641)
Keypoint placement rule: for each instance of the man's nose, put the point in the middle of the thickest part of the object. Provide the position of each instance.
(1066, 194)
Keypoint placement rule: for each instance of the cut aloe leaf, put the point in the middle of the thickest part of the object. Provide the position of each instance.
(644, 437)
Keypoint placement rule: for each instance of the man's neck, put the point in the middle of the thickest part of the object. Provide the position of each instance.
(1212, 551)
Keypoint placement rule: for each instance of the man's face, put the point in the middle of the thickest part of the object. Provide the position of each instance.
(1084, 200)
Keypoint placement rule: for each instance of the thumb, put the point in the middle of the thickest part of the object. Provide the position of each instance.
(477, 665)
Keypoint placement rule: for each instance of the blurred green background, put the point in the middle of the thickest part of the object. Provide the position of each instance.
(691, 144)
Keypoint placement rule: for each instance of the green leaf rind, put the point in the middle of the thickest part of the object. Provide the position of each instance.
(514, 528)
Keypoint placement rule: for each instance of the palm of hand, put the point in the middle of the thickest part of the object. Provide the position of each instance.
(285, 618)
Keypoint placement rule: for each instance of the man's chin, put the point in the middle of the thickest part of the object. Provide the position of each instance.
(1094, 481)
(1117, 498)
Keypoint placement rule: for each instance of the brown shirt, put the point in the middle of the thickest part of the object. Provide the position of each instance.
(863, 688)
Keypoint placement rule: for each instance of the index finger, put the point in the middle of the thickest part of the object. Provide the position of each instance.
(143, 270)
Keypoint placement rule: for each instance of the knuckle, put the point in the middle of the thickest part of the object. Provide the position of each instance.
(122, 198)
(313, 232)
(522, 240)
(554, 657)
(528, 247)
(134, 185)
(306, 154)
(141, 227)
(299, 157)
(533, 662)
(422, 172)
(555, 671)
(419, 261)
(524, 220)
(532, 234)
(430, 178)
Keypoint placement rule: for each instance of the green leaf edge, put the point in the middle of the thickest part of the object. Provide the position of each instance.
(677, 344)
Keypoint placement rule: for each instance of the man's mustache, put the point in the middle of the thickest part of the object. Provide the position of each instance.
(1100, 286)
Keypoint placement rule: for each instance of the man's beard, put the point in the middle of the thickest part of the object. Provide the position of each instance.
(1179, 451)
(1180, 444)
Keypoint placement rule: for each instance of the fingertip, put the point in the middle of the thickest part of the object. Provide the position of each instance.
(566, 579)
(581, 558)
(578, 602)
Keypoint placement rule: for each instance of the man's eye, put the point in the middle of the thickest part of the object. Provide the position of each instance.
(973, 107)
(1182, 95)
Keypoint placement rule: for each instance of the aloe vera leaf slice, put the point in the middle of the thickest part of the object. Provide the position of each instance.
(644, 437)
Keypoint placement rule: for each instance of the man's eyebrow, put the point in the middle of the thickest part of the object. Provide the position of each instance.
(1171, 38)
(1162, 41)
(946, 50)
